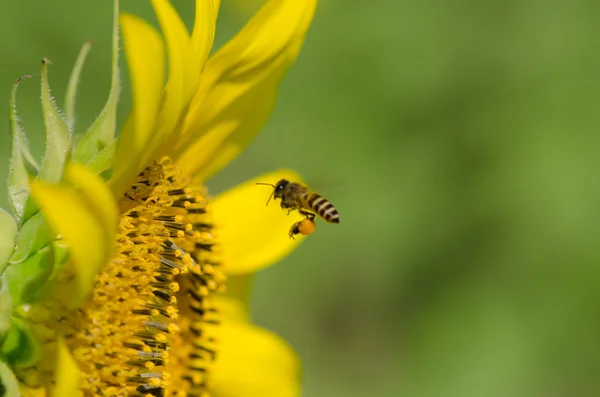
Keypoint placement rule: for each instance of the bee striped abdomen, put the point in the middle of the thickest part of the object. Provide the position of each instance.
(323, 207)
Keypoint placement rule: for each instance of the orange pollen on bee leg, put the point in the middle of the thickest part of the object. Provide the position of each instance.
(307, 226)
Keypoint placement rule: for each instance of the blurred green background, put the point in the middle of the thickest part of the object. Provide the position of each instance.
(460, 142)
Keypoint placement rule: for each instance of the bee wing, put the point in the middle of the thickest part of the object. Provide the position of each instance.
(326, 186)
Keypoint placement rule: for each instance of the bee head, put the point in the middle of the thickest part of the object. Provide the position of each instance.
(277, 189)
(278, 192)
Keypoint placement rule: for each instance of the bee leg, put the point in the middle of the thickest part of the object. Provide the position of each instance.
(307, 214)
(294, 230)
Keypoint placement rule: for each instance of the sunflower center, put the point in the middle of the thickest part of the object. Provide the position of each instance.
(149, 326)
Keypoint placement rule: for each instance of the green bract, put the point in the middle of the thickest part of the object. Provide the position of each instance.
(9, 385)
(18, 177)
(5, 306)
(26, 278)
(58, 141)
(8, 231)
(71, 95)
(32, 236)
(98, 144)
(19, 347)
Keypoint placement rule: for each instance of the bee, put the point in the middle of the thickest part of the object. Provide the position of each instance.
(295, 196)
(306, 226)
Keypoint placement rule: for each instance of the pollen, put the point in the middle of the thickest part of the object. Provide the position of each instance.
(149, 327)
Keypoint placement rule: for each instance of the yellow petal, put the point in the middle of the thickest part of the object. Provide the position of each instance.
(235, 302)
(253, 362)
(97, 196)
(239, 86)
(27, 392)
(232, 309)
(203, 34)
(183, 78)
(67, 373)
(146, 59)
(253, 235)
(80, 215)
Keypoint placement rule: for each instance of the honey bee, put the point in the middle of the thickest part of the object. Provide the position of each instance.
(295, 196)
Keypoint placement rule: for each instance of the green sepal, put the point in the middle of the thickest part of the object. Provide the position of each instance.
(102, 132)
(19, 347)
(32, 236)
(71, 94)
(9, 387)
(26, 279)
(8, 231)
(58, 141)
(18, 177)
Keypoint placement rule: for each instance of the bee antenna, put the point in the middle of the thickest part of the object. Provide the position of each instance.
(270, 197)
(268, 184)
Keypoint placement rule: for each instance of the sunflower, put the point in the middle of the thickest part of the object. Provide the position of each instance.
(119, 275)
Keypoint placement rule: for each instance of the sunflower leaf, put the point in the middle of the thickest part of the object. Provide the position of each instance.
(58, 141)
(8, 231)
(74, 82)
(18, 177)
(20, 348)
(32, 236)
(9, 387)
(102, 132)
